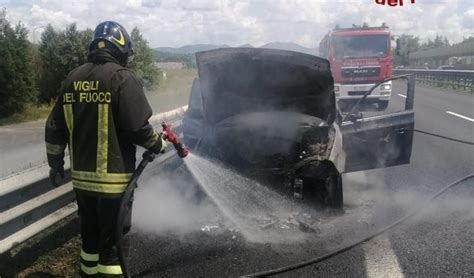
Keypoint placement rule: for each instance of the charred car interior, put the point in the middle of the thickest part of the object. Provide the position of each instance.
(272, 114)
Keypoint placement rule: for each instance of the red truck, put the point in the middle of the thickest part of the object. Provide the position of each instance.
(359, 57)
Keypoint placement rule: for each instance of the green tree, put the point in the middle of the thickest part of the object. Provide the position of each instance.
(469, 39)
(446, 42)
(50, 63)
(73, 47)
(36, 65)
(61, 52)
(16, 70)
(407, 45)
(143, 64)
(188, 60)
(438, 42)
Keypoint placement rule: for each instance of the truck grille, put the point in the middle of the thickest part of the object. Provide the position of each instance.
(356, 93)
(360, 72)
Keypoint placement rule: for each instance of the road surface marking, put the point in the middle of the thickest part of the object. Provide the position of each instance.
(404, 96)
(380, 259)
(460, 116)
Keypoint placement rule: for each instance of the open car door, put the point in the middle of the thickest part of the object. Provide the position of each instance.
(382, 140)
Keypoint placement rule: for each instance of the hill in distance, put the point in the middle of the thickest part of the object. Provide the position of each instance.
(291, 46)
(247, 45)
(191, 49)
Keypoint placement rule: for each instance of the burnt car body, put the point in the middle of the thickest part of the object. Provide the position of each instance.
(272, 113)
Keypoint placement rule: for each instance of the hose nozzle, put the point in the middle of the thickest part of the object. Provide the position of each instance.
(181, 150)
(173, 138)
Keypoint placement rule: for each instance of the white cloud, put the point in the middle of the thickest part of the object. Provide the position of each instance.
(468, 19)
(199, 5)
(57, 18)
(179, 22)
(133, 3)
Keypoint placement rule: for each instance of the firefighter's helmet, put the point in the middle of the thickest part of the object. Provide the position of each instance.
(113, 36)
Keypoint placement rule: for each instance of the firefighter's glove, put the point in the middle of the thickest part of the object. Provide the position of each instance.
(149, 155)
(169, 135)
(160, 145)
(53, 174)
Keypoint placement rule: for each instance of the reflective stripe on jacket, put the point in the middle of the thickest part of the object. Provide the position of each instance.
(101, 113)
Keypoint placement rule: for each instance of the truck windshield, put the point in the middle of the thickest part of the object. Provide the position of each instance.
(361, 46)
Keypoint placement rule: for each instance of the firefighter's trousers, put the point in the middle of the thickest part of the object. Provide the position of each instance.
(99, 255)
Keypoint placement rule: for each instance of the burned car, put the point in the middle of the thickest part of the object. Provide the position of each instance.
(272, 114)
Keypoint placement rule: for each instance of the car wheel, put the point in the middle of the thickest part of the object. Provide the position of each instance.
(333, 186)
(313, 191)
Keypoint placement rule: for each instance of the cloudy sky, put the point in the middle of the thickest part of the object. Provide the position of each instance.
(181, 22)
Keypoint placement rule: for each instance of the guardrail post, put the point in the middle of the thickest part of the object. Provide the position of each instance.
(411, 92)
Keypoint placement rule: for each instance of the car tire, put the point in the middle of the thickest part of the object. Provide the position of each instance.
(382, 105)
(327, 193)
(333, 185)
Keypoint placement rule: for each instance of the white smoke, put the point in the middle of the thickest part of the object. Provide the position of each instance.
(170, 203)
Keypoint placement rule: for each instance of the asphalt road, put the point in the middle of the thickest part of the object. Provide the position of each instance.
(176, 236)
(21, 147)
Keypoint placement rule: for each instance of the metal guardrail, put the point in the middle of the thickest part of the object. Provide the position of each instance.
(454, 79)
(29, 204)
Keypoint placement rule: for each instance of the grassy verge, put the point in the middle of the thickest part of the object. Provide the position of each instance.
(31, 112)
(172, 92)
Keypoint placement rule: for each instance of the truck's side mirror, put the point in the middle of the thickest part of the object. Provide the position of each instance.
(397, 47)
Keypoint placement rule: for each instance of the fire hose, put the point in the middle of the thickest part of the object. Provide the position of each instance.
(125, 206)
(127, 197)
(444, 137)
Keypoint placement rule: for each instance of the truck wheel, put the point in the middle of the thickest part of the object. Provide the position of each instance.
(382, 105)
(334, 197)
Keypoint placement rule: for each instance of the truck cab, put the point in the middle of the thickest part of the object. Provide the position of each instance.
(359, 57)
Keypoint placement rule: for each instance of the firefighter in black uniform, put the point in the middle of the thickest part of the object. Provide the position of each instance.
(101, 114)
